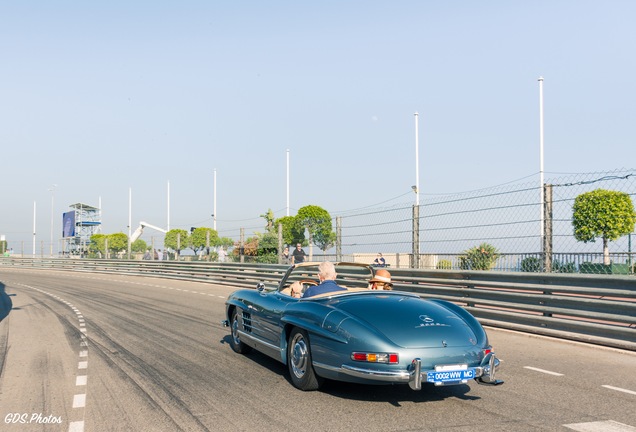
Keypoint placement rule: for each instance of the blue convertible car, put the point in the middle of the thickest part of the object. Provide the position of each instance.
(359, 335)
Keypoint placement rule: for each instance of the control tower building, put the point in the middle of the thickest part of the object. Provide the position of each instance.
(78, 225)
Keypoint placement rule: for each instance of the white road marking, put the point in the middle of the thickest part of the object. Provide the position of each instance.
(601, 426)
(79, 401)
(76, 426)
(543, 371)
(619, 389)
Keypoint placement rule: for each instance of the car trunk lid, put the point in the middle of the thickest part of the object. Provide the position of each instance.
(411, 322)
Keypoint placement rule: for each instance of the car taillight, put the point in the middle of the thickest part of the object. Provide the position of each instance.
(390, 358)
(487, 351)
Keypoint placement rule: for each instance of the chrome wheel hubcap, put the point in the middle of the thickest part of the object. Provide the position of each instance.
(299, 356)
(235, 335)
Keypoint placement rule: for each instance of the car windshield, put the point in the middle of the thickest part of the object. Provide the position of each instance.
(349, 275)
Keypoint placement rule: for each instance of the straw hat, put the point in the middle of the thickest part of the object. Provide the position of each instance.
(381, 275)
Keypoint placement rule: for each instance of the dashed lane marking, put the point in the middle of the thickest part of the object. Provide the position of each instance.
(619, 389)
(601, 426)
(543, 371)
(76, 426)
(79, 400)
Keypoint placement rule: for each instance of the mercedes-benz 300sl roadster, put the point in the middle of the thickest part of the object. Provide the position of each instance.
(359, 335)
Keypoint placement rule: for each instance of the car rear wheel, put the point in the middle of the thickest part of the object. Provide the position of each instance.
(235, 340)
(301, 370)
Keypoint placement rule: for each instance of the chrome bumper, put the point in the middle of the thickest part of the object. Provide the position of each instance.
(414, 376)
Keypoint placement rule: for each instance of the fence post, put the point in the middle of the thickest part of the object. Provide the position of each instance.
(207, 244)
(415, 257)
(280, 243)
(547, 228)
(242, 246)
(338, 238)
(629, 252)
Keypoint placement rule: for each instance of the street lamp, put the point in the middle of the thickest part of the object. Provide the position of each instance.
(214, 205)
(52, 190)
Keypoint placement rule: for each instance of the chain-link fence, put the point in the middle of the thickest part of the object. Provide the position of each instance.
(454, 229)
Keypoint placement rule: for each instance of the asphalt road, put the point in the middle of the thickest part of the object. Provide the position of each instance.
(90, 352)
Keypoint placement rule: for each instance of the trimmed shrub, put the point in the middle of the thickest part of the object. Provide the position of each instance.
(482, 257)
(531, 265)
(558, 267)
(444, 264)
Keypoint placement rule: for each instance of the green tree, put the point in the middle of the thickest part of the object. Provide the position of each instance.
(199, 239)
(267, 248)
(226, 242)
(176, 239)
(317, 221)
(97, 244)
(325, 238)
(293, 230)
(269, 218)
(602, 213)
(139, 245)
(117, 242)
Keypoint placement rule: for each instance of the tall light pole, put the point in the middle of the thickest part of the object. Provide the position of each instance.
(415, 260)
(168, 208)
(541, 157)
(129, 220)
(417, 160)
(34, 206)
(214, 215)
(52, 190)
(287, 182)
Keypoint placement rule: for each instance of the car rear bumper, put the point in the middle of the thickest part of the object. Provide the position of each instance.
(415, 376)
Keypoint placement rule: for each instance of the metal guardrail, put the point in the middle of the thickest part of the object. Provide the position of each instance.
(588, 308)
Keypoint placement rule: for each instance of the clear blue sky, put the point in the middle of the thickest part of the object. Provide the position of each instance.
(100, 97)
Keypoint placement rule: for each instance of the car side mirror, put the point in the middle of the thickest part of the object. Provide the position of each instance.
(260, 286)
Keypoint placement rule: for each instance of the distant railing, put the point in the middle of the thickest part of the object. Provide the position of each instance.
(598, 309)
(531, 262)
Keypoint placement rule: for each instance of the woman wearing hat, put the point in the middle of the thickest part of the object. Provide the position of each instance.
(381, 280)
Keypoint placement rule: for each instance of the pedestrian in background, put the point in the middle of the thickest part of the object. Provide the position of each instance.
(286, 258)
(299, 255)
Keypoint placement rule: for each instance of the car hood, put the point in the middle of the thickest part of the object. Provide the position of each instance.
(410, 322)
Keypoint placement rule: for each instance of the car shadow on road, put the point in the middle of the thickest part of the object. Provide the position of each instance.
(395, 394)
(392, 394)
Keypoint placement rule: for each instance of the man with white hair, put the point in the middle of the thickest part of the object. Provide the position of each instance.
(327, 276)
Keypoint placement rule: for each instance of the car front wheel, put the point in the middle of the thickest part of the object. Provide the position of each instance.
(235, 340)
(301, 370)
